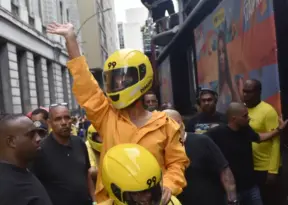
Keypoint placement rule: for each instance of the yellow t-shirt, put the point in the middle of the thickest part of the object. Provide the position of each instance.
(174, 200)
(264, 118)
(93, 157)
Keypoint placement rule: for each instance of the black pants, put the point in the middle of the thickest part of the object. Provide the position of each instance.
(272, 194)
(159, 11)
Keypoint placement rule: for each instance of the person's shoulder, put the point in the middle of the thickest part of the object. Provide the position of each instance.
(194, 139)
(217, 128)
(195, 117)
(168, 120)
(270, 110)
(46, 141)
(222, 117)
(265, 105)
(78, 140)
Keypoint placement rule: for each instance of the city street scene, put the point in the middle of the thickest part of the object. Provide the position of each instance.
(143, 102)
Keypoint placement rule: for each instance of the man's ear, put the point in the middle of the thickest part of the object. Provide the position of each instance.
(11, 141)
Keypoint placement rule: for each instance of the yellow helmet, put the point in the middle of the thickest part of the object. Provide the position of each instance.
(127, 74)
(129, 170)
(91, 139)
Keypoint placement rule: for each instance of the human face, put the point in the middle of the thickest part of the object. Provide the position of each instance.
(121, 81)
(24, 139)
(60, 121)
(207, 103)
(151, 102)
(143, 198)
(147, 197)
(242, 119)
(221, 53)
(249, 93)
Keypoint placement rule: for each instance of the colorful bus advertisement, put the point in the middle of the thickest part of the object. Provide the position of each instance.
(236, 42)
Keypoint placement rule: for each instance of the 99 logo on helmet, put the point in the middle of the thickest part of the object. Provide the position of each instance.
(151, 182)
(112, 64)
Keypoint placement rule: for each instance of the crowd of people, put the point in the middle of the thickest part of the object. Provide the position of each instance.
(127, 151)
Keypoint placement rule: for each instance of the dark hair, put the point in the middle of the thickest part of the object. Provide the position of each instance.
(224, 75)
(257, 84)
(203, 91)
(41, 111)
(149, 92)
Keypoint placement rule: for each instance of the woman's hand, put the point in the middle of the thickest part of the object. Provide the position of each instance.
(65, 30)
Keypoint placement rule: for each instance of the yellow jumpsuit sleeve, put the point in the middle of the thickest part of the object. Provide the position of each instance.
(271, 123)
(176, 161)
(88, 93)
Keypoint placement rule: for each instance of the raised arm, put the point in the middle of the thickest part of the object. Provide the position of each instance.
(85, 88)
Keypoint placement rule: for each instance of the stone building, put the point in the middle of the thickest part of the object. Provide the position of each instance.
(33, 64)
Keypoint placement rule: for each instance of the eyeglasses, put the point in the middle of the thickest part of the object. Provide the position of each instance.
(59, 104)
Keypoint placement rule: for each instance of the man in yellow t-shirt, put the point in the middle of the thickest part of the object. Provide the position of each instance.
(263, 119)
(94, 145)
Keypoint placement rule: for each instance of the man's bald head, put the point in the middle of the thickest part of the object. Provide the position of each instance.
(8, 123)
(237, 113)
(235, 109)
(175, 115)
(19, 138)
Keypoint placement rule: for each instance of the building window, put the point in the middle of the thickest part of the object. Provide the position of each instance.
(101, 4)
(15, 7)
(31, 15)
(68, 15)
(103, 38)
(31, 21)
(64, 84)
(44, 29)
(61, 12)
(104, 55)
(19, 96)
(38, 80)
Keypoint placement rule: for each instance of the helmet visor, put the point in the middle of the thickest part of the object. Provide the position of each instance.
(150, 196)
(119, 79)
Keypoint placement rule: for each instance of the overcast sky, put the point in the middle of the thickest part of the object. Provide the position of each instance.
(120, 7)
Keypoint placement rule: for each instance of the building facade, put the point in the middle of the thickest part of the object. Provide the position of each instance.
(33, 64)
(130, 34)
(99, 31)
(121, 35)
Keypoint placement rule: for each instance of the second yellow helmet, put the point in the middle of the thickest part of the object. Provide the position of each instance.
(128, 75)
(97, 146)
(129, 171)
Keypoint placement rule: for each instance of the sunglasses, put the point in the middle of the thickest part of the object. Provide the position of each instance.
(59, 104)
